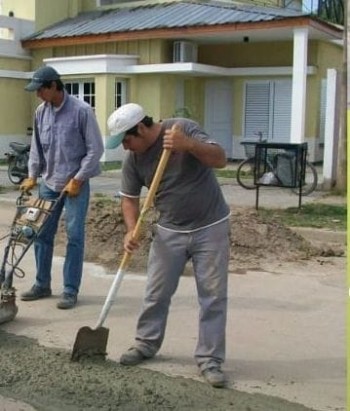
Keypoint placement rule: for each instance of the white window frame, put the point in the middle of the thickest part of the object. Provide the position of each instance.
(80, 93)
(120, 92)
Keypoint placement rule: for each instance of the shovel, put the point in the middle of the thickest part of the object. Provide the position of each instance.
(93, 342)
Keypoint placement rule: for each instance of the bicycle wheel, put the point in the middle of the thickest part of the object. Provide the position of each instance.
(245, 174)
(311, 180)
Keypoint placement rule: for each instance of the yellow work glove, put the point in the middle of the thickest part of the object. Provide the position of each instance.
(27, 184)
(73, 187)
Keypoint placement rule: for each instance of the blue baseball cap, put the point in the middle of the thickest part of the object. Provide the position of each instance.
(41, 76)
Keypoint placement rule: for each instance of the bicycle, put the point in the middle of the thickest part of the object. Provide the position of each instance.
(246, 170)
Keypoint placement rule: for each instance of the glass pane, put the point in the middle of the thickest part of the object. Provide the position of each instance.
(75, 89)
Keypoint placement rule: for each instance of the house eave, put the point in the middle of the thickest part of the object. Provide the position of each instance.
(233, 32)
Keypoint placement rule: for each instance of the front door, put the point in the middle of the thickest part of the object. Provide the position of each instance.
(218, 113)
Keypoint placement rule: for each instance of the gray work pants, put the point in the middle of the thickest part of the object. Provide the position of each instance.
(208, 249)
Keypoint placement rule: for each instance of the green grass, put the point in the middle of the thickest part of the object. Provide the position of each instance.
(319, 215)
(111, 165)
(225, 173)
(117, 165)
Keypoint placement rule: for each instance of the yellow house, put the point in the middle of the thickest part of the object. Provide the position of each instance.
(239, 69)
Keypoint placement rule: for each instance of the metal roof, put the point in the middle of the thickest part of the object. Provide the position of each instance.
(172, 15)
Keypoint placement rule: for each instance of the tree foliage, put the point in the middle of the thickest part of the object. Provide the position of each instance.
(332, 10)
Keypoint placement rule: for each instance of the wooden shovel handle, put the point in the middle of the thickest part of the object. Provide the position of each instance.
(153, 188)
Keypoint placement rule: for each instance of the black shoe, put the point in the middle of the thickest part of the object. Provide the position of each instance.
(67, 301)
(35, 293)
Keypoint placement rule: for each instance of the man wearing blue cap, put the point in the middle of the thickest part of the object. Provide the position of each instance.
(193, 224)
(65, 151)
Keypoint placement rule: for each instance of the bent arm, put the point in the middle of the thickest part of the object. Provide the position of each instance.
(208, 153)
(211, 155)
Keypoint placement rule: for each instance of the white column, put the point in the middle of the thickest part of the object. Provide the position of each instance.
(300, 42)
(330, 131)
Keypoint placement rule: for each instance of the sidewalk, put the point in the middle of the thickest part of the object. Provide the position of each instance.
(108, 183)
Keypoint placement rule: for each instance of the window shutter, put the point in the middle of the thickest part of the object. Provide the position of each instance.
(282, 108)
(257, 108)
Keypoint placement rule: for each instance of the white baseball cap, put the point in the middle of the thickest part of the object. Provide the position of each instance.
(122, 120)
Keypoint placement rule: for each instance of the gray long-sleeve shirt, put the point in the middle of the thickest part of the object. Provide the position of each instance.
(70, 140)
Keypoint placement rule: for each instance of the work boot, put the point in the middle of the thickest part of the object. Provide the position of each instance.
(35, 293)
(132, 357)
(67, 301)
(214, 376)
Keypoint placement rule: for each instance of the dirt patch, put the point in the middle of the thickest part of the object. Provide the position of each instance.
(255, 243)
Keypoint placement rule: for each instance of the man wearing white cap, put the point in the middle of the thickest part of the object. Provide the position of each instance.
(66, 149)
(193, 225)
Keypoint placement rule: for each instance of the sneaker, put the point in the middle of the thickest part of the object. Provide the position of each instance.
(67, 301)
(132, 357)
(214, 376)
(35, 293)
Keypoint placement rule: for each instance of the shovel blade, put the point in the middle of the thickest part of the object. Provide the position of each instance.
(90, 343)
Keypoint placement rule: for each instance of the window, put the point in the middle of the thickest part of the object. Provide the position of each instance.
(268, 106)
(120, 93)
(83, 91)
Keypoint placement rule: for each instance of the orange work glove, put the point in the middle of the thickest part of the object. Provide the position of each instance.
(73, 187)
(27, 184)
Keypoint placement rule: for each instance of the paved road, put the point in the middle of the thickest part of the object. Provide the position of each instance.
(285, 333)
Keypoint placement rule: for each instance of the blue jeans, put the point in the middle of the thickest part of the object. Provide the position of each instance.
(74, 216)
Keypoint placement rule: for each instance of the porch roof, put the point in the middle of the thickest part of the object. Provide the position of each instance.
(203, 21)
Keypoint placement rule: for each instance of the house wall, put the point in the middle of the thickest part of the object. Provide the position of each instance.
(264, 54)
(328, 56)
(55, 10)
(15, 103)
(15, 110)
(22, 9)
(290, 4)
(149, 51)
(323, 55)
